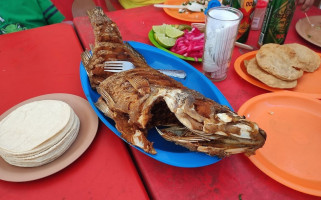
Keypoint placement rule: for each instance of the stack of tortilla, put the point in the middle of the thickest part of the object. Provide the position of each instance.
(280, 66)
(37, 133)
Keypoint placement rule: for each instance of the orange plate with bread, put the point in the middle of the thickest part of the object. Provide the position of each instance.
(187, 16)
(293, 145)
(308, 84)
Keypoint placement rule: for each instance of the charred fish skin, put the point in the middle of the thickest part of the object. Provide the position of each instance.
(130, 97)
(142, 98)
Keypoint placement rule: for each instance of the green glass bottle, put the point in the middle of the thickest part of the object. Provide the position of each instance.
(247, 8)
(276, 21)
(226, 2)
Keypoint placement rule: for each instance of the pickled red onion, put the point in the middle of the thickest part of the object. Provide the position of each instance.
(191, 44)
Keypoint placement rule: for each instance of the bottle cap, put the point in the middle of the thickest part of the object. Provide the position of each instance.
(261, 4)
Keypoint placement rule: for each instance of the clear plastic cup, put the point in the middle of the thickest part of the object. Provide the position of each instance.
(221, 29)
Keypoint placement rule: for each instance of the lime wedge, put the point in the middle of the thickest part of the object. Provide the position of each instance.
(182, 27)
(164, 41)
(173, 32)
(159, 28)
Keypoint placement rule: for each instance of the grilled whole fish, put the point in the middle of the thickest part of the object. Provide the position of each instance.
(142, 98)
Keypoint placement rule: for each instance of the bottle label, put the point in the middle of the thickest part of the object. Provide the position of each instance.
(247, 8)
(280, 21)
(255, 22)
(277, 21)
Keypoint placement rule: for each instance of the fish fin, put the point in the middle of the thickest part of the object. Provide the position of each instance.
(103, 107)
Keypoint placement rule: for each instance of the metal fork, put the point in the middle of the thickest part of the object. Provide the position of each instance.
(119, 66)
(311, 24)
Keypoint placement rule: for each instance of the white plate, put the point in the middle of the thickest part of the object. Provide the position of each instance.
(307, 32)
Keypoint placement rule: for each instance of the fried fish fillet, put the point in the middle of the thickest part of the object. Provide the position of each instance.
(142, 98)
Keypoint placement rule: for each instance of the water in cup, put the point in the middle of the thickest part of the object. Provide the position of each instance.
(220, 34)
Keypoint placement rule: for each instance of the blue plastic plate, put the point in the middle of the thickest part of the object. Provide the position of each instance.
(167, 152)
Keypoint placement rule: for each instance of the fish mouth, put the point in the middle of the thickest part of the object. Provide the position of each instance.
(220, 146)
(219, 132)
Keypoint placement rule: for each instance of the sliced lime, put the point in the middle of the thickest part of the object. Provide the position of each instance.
(158, 35)
(173, 32)
(159, 28)
(164, 41)
(182, 27)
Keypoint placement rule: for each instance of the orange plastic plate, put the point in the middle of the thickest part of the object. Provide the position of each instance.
(187, 16)
(308, 84)
(291, 154)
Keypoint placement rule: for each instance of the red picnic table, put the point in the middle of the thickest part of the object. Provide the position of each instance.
(231, 178)
(44, 61)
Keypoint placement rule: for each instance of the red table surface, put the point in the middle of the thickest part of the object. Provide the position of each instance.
(228, 178)
(46, 60)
